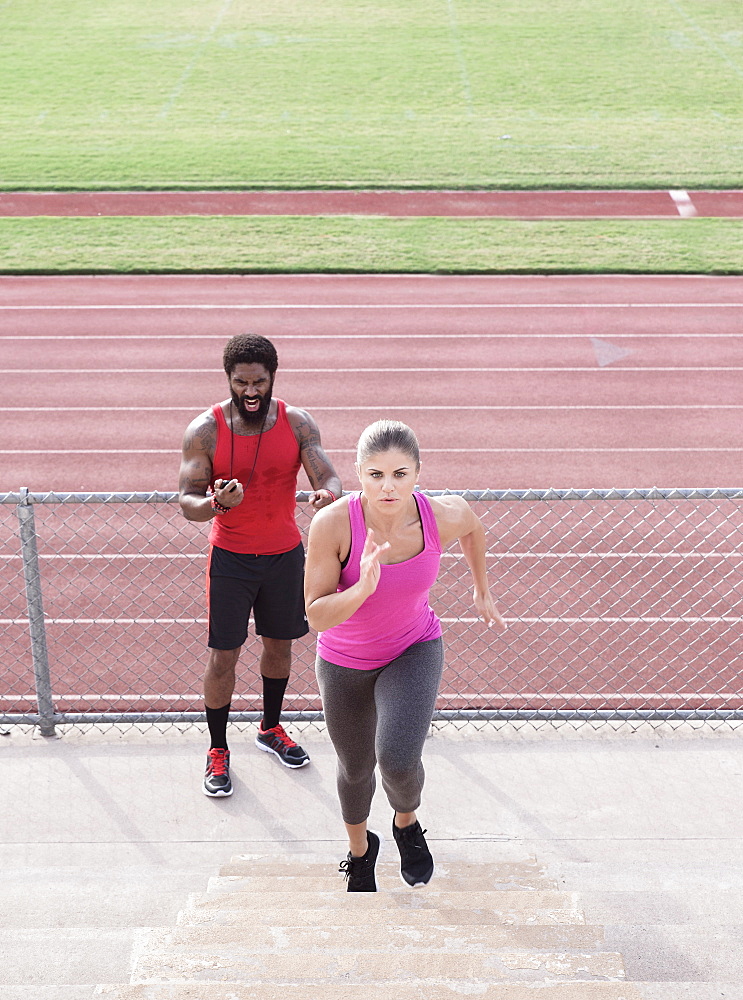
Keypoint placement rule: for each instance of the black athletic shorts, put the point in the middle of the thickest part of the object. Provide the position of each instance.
(272, 587)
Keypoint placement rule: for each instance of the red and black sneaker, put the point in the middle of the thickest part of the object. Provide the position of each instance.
(217, 777)
(277, 741)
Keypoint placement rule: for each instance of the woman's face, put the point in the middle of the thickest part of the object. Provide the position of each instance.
(388, 478)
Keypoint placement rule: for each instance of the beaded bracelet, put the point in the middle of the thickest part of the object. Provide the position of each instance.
(217, 507)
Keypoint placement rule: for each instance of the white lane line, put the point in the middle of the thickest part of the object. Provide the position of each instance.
(516, 556)
(352, 451)
(308, 337)
(473, 696)
(363, 371)
(683, 203)
(509, 696)
(109, 621)
(631, 620)
(547, 620)
(374, 408)
(284, 306)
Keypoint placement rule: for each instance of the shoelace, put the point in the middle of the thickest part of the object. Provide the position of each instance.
(219, 762)
(281, 734)
(410, 835)
(351, 868)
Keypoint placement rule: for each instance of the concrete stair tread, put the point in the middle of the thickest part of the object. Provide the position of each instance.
(470, 880)
(464, 874)
(403, 991)
(236, 964)
(279, 936)
(485, 907)
(475, 928)
(498, 851)
(39, 992)
(310, 915)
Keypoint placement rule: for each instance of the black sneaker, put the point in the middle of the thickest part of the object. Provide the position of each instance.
(217, 777)
(359, 872)
(276, 741)
(416, 863)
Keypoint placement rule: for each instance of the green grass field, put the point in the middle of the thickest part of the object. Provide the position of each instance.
(456, 93)
(228, 244)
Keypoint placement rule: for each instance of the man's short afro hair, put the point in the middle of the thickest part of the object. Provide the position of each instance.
(249, 349)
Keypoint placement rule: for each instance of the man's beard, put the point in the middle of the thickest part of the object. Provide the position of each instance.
(255, 418)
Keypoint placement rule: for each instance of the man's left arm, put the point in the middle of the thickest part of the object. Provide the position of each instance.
(323, 478)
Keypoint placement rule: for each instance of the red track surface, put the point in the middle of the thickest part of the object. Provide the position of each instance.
(525, 382)
(507, 204)
(509, 382)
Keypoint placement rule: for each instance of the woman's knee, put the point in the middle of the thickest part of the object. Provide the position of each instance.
(399, 770)
(356, 770)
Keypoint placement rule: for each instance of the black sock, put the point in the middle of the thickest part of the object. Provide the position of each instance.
(216, 719)
(273, 697)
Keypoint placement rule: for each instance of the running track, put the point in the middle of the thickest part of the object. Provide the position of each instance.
(509, 382)
(506, 204)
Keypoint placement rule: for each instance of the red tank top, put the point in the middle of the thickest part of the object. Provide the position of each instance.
(264, 523)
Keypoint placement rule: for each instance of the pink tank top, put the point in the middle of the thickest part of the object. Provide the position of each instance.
(397, 614)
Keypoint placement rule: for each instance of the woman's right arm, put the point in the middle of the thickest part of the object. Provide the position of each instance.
(325, 605)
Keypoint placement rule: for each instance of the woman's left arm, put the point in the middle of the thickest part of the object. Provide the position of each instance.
(456, 519)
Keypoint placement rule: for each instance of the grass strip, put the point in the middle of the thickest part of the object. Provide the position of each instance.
(345, 244)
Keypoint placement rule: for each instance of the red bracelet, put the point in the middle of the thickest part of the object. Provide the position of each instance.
(218, 507)
(331, 493)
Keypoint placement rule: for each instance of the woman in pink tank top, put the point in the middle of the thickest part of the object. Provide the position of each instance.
(372, 559)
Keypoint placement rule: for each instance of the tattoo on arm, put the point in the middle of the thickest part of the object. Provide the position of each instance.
(199, 443)
(315, 461)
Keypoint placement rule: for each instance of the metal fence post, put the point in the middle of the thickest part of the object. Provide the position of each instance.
(36, 620)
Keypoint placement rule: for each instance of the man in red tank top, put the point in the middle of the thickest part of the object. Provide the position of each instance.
(239, 470)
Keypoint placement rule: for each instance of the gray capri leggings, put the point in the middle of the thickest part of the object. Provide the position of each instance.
(381, 716)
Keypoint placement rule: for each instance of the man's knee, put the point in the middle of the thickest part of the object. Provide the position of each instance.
(277, 657)
(222, 662)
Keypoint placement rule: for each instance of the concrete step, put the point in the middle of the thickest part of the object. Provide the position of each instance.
(425, 906)
(406, 991)
(170, 957)
(281, 936)
(532, 991)
(37, 992)
(292, 925)
(387, 880)
(460, 875)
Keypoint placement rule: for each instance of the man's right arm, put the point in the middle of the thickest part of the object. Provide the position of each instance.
(195, 475)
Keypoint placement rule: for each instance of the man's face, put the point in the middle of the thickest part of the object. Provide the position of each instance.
(251, 387)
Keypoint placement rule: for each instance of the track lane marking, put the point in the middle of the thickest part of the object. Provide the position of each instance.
(284, 306)
(345, 409)
(304, 337)
(499, 697)
(684, 204)
(352, 451)
(530, 620)
(517, 556)
(362, 371)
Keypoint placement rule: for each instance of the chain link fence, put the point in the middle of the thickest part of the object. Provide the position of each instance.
(620, 605)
